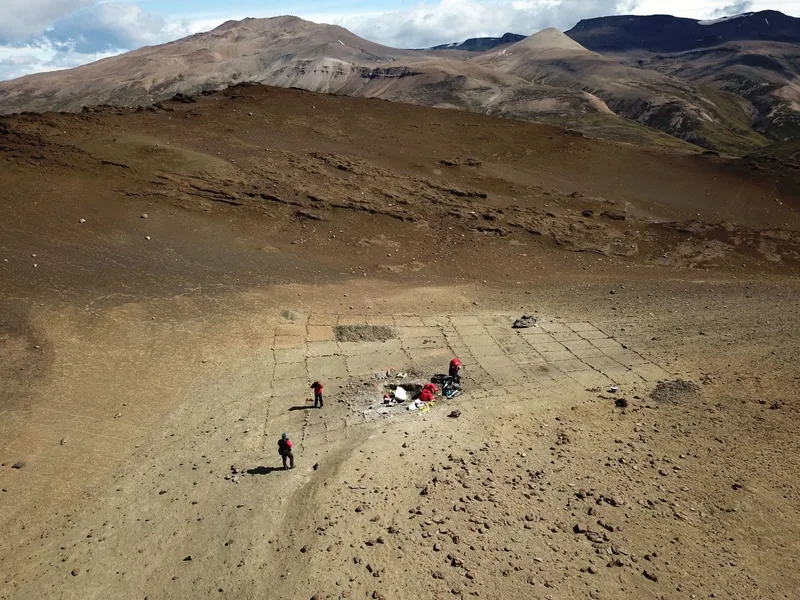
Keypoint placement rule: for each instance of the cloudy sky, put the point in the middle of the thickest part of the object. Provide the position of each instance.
(45, 35)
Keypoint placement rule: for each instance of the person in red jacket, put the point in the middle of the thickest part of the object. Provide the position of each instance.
(432, 387)
(455, 367)
(285, 451)
(317, 387)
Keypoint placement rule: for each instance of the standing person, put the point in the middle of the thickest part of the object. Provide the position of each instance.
(285, 451)
(317, 387)
(455, 367)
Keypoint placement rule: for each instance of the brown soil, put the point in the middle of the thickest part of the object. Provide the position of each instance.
(142, 358)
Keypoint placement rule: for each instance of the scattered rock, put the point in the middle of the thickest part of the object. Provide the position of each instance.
(75, 572)
(316, 466)
(144, 216)
(588, 213)
(63, 441)
(454, 414)
(592, 569)
(594, 537)
(304, 549)
(674, 391)
(621, 403)
(18, 465)
(525, 322)
(579, 528)
(650, 576)
(188, 558)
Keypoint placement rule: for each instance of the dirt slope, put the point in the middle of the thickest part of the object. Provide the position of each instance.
(172, 281)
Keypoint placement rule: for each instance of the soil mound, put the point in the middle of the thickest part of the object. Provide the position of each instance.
(364, 333)
(674, 391)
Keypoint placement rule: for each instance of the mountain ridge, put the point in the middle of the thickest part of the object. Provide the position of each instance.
(549, 76)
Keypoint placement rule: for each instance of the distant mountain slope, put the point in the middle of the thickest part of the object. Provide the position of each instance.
(482, 44)
(547, 76)
(645, 96)
(663, 33)
(766, 74)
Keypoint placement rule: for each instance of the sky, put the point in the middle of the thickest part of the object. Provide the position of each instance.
(46, 35)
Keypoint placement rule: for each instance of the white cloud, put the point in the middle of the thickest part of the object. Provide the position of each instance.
(17, 61)
(429, 24)
(23, 19)
(734, 8)
(114, 25)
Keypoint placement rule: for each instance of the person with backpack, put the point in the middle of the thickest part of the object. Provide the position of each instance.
(317, 387)
(285, 451)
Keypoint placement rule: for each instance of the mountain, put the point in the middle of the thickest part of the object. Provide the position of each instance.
(482, 44)
(547, 77)
(765, 74)
(645, 96)
(755, 56)
(663, 33)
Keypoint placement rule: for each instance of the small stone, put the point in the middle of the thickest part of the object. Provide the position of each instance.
(316, 466)
(81, 221)
(592, 569)
(63, 441)
(75, 572)
(579, 528)
(18, 465)
(144, 216)
(650, 576)
(188, 558)
(147, 237)
(437, 547)
(304, 549)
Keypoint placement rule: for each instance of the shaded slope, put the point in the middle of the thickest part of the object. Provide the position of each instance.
(664, 33)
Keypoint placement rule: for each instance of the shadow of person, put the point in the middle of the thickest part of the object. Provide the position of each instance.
(263, 470)
(303, 407)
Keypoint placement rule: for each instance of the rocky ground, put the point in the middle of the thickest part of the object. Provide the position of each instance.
(150, 364)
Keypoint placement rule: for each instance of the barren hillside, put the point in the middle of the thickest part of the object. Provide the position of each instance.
(581, 90)
(173, 279)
